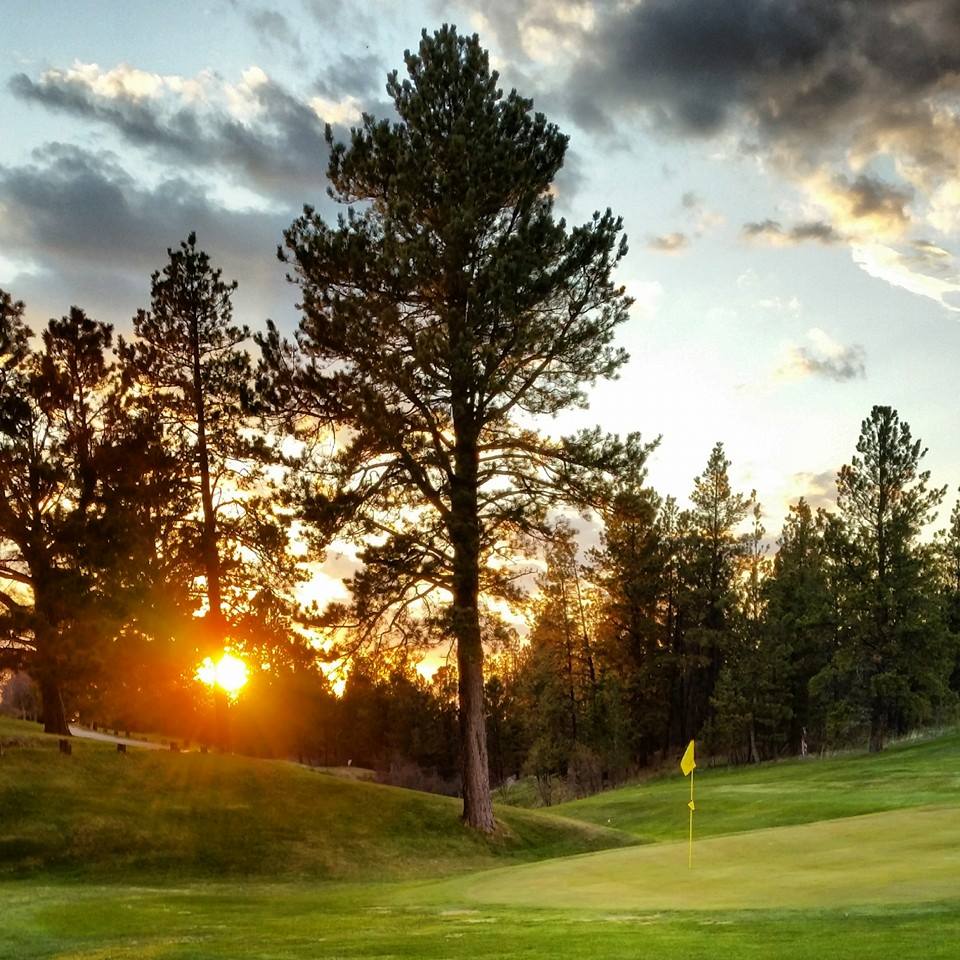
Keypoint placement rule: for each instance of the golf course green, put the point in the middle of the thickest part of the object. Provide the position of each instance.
(188, 856)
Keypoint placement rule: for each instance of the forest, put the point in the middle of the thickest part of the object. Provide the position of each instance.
(166, 494)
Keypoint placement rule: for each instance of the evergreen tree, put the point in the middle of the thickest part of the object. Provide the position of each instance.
(445, 304)
(52, 435)
(751, 697)
(894, 650)
(801, 617)
(711, 595)
(630, 569)
(189, 376)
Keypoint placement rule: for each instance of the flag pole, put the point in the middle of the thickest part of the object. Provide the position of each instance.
(688, 764)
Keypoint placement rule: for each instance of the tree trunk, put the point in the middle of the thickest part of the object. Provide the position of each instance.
(211, 552)
(877, 730)
(477, 801)
(54, 714)
(464, 526)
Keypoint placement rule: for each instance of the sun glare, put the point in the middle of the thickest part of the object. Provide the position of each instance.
(229, 673)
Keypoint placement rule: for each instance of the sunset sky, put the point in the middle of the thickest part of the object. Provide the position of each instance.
(787, 173)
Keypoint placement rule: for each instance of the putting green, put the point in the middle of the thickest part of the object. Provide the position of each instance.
(897, 857)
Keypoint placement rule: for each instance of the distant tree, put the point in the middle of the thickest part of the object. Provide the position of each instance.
(188, 373)
(894, 649)
(751, 700)
(710, 595)
(629, 569)
(446, 308)
(801, 615)
(950, 578)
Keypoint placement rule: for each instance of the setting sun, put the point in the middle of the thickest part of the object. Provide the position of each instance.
(229, 673)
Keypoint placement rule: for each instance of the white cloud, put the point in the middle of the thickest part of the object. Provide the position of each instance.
(886, 263)
(345, 111)
(823, 357)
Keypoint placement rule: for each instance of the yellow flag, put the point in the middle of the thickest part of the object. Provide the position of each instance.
(688, 764)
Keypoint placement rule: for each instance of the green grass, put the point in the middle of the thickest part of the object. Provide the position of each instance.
(732, 800)
(145, 814)
(185, 856)
(908, 856)
(280, 922)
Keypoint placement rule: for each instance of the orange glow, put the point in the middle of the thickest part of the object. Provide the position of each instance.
(229, 673)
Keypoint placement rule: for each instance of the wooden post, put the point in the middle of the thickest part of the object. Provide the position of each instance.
(66, 747)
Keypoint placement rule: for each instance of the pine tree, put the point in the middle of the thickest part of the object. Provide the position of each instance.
(710, 597)
(189, 376)
(894, 648)
(801, 617)
(446, 303)
(52, 436)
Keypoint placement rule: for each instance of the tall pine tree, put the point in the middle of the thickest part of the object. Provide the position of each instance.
(444, 306)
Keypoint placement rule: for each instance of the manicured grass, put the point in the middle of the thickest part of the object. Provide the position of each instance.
(203, 857)
(145, 814)
(254, 922)
(907, 856)
(732, 800)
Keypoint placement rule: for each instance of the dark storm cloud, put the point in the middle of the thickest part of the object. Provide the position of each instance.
(791, 65)
(97, 234)
(279, 151)
(771, 231)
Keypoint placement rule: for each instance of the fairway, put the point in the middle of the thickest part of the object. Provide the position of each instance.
(190, 857)
(902, 857)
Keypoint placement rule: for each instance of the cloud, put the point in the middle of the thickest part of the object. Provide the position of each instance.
(864, 205)
(93, 232)
(274, 29)
(256, 130)
(669, 243)
(818, 489)
(825, 94)
(825, 358)
(771, 232)
(924, 269)
(793, 306)
(701, 217)
(790, 68)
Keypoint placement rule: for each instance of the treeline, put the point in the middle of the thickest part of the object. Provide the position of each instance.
(162, 498)
(684, 624)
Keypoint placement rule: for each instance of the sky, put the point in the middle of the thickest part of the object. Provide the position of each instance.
(788, 173)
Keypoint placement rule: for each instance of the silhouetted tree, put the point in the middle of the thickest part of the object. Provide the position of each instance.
(187, 372)
(444, 305)
(52, 432)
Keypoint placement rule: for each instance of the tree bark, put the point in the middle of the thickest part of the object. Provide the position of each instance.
(211, 552)
(464, 526)
(54, 714)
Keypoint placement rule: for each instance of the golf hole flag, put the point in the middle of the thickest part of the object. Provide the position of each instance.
(688, 764)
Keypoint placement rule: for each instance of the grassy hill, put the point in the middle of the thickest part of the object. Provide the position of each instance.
(186, 857)
(736, 799)
(102, 815)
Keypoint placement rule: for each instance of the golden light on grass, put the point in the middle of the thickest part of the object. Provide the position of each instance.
(229, 673)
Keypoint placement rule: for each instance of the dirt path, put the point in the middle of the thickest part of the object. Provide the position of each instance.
(86, 734)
